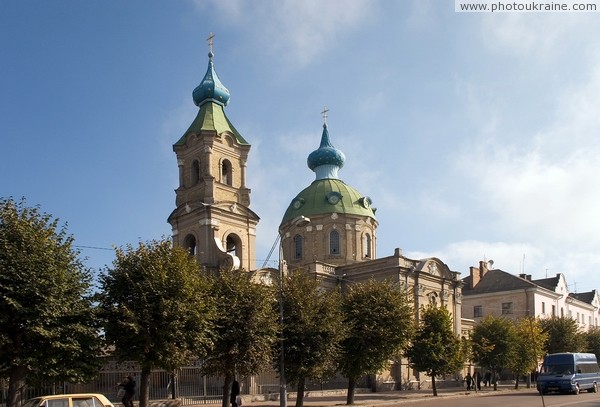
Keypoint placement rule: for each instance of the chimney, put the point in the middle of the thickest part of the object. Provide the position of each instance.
(478, 273)
(475, 277)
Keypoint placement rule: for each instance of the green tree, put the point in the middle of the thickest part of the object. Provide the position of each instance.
(156, 308)
(529, 348)
(246, 328)
(563, 335)
(48, 327)
(435, 349)
(592, 338)
(313, 329)
(380, 322)
(493, 344)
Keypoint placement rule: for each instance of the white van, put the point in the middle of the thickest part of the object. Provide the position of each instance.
(569, 373)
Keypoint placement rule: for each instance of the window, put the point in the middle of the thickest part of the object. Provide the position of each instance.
(553, 310)
(190, 244)
(507, 308)
(543, 307)
(334, 242)
(367, 245)
(297, 247)
(226, 176)
(233, 246)
(195, 172)
(478, 311)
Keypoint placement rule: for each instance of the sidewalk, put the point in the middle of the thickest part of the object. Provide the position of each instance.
(320, 399)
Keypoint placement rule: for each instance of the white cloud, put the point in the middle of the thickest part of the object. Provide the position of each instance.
(541, 184)
(511, 257)
(296, 31)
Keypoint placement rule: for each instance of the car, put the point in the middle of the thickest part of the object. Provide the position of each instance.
(70, 400)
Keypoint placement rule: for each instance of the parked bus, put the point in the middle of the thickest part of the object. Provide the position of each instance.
(569, 373)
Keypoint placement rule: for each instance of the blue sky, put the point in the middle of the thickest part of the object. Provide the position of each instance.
(475, 135)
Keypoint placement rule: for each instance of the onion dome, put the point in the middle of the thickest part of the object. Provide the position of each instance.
(326, 160)
(328, 194)
(211, 88)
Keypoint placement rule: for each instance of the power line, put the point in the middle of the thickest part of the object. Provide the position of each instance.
(93, 247)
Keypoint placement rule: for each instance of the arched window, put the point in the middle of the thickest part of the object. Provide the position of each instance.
(233, 246)
(226, 176)
(195, 172)
(190, 244)
(297, 247)
(334, 242)
(367, 245)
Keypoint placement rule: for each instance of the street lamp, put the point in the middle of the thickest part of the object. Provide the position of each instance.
(297, 222)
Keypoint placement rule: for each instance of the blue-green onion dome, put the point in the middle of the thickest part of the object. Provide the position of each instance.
(326, 160)
(211, 88)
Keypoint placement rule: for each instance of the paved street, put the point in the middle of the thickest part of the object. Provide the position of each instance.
(506, 396)
(317, 399)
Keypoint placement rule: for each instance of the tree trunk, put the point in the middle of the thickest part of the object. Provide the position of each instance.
(300, 392)
(16, 386)
(433, 385)
(516, 382)
(495, 379)
(145, 387)
(351, 388)
(227, 390)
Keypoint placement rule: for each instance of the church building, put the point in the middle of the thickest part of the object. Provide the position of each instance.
(329, 229)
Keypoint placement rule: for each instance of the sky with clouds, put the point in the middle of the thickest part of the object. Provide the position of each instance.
(475, 134)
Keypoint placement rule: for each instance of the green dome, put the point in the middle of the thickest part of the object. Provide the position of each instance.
(326, 196)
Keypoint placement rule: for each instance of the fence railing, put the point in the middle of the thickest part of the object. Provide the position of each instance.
(191, 386)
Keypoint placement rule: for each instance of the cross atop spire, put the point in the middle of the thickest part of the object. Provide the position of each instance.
(210, 43)
(324, 113)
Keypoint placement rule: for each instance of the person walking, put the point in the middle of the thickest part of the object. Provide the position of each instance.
(469, 381)
(477, 380)
(235, 392)
(128, 385)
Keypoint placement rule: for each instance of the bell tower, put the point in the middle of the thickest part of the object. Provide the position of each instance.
(212, 218)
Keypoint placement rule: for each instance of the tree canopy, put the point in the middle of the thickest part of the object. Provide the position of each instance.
(246, 328)
(156, 308)
(313, 329)
(592, 340)
(529, 347)
(435, 349)
(380, 325)
(563, 335)
(48, 328)
(493, 343)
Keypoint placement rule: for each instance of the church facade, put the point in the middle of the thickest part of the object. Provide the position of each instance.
(328, 230)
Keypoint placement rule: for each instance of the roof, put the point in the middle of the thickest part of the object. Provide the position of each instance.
(496, 281)
(550, 283)
(325, 196)
(586, 297)
(211, 117)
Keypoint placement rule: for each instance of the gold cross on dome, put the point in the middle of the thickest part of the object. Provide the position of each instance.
(210, 41)
(324, 113)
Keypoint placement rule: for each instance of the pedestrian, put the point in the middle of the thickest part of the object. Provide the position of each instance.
(487, 379)
(128, 386)
(469, 381)
(477, 380)
(235, 392)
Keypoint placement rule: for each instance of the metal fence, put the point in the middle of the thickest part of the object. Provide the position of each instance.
(191, 386)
